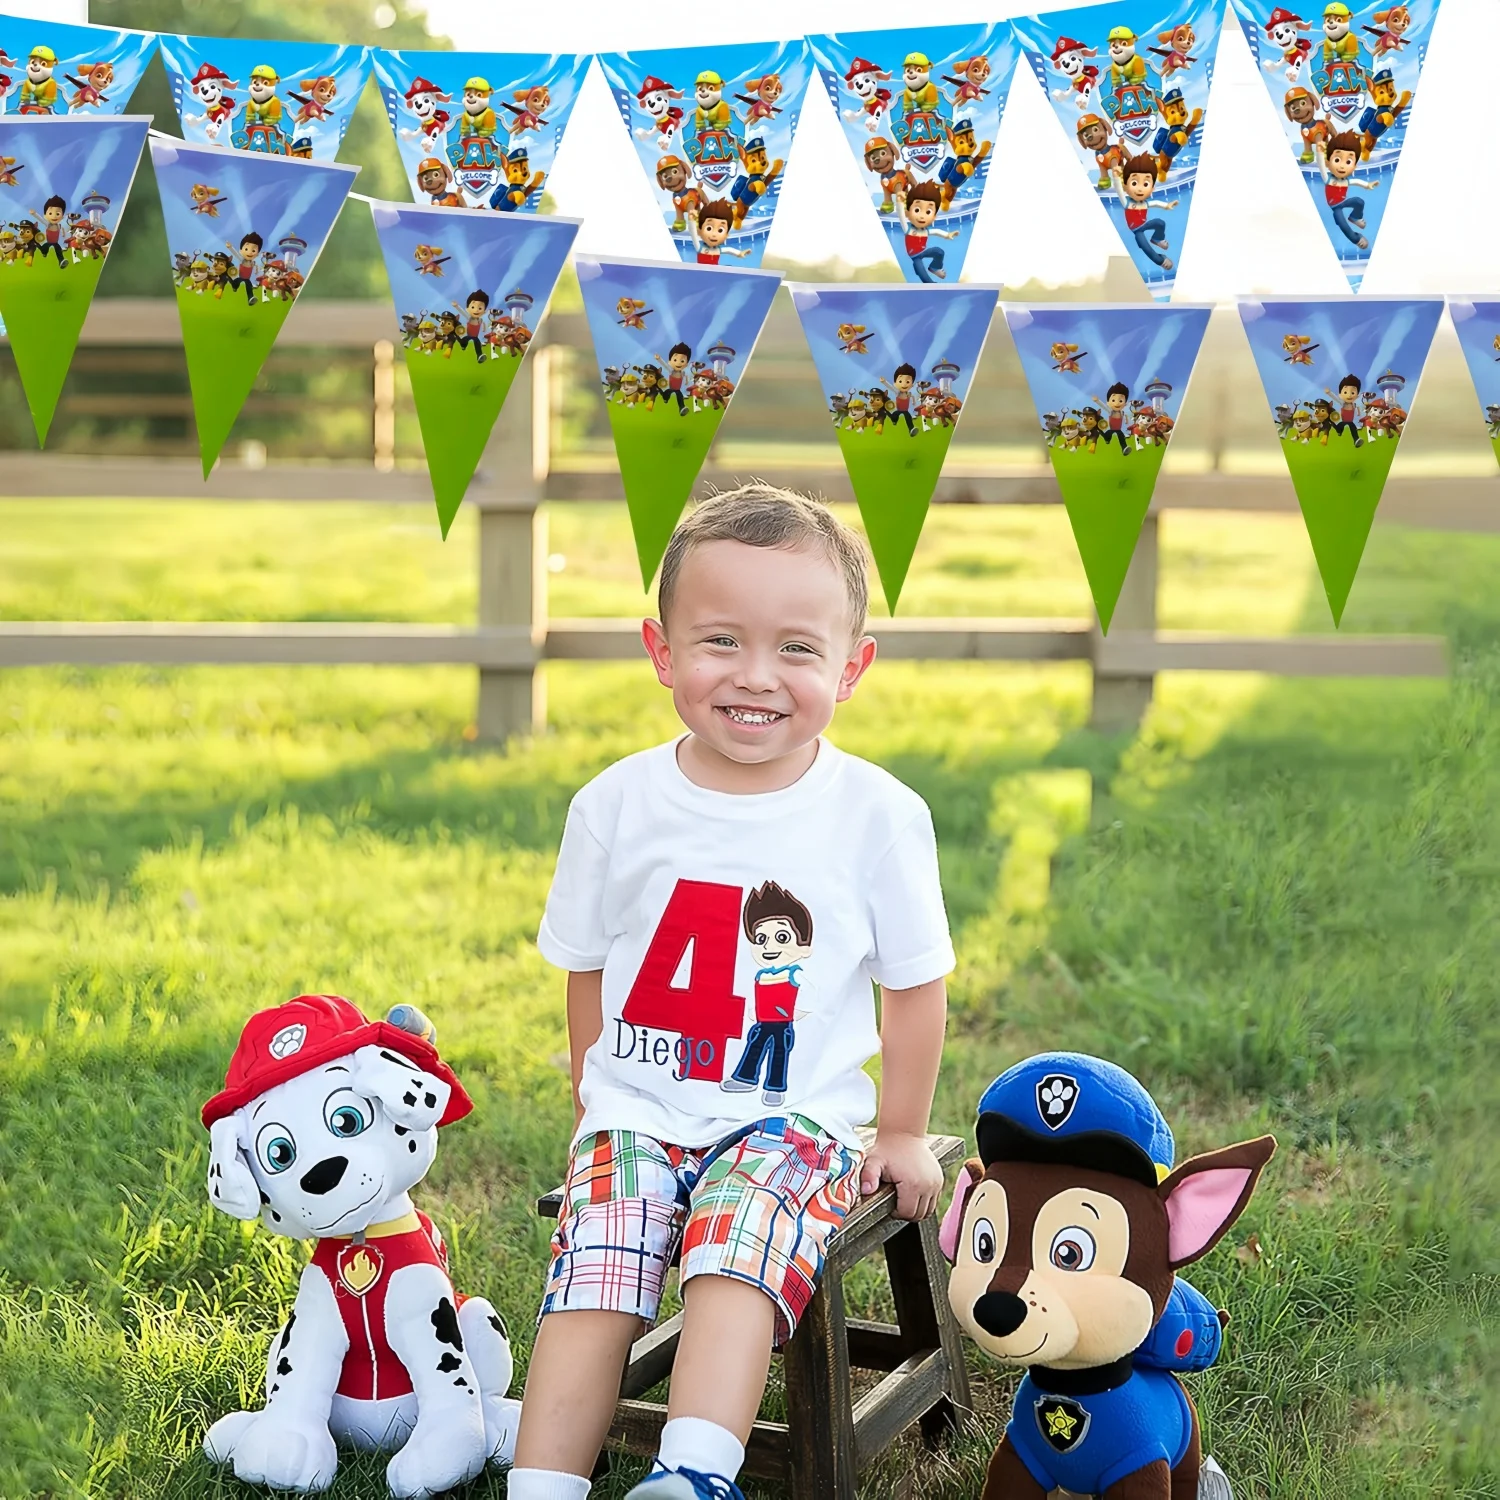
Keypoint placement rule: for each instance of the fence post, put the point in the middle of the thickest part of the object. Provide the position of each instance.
(513, 551)
(383, 426)
(1120, 702)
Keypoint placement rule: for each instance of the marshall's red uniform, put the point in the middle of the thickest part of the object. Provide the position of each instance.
(360, 1275)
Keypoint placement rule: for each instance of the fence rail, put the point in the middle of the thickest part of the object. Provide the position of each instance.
(514, 636)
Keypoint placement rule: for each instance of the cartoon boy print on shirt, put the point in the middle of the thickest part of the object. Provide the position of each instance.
(780, 929)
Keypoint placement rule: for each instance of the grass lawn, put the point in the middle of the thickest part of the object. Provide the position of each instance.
(1278, 903)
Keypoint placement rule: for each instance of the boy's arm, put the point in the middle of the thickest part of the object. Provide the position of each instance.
(585, 1022)
(912, 1023)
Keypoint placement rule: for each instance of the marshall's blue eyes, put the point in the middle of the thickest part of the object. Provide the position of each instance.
(275, 1148)
(346, 1114)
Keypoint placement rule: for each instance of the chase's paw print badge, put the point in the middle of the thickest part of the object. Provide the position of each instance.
(1056, 1095)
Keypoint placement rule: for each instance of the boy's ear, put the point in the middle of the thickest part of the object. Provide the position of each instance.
(861, 655)
(654, 639)
(1207, 1193)
(953, 1221)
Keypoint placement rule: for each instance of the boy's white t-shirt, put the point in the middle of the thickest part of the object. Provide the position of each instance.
(652, 886)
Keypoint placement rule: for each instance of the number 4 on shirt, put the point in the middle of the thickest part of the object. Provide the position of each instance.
(705, 1012)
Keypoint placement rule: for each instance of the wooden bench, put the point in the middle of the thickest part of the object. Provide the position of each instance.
(830, 1437)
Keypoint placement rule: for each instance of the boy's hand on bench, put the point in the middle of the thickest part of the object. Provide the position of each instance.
(907, 1163)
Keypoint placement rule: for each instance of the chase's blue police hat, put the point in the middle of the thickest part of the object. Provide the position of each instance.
(1068, 1107)
(1384, 76)
(756, 143)
(962, 126)
(1172, 96)
(519, 154)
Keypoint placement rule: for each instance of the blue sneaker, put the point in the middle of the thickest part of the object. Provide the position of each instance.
(684, 1484)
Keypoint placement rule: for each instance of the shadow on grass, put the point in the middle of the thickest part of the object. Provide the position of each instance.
(396, 794)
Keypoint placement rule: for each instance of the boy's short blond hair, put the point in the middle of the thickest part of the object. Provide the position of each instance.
(764, 515)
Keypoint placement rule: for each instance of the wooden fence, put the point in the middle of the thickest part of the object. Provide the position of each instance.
(522, 468)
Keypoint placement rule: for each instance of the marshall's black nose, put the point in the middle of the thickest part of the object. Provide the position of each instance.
(999, 1313)
(327, 1175)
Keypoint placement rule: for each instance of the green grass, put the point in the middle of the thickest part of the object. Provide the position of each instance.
(1277, 903)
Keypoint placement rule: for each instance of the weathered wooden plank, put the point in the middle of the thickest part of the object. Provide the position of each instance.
(513, 568)
(158, 478)
(875, 1346)
(819, 1395)
(1284, 656)
(882, 1415)
(1120, 701)
(651, 1358)
(956, 639)
(515, 648)
(637, 1428)
(181, 643)
(919, 1286)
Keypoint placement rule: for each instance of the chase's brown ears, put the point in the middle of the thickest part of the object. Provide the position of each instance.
(1206, 1194)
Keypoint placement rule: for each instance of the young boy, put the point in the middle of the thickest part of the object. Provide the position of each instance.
(722, 904)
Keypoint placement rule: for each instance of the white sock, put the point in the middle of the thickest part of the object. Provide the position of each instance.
(545, 1484)
(693, 1443)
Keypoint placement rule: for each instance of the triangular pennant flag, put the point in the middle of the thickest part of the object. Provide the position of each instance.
(1343, 82)
(278, 98)
(1108, 383)
(1478, 323)
(469, 291)
(479, 129)
(1129, 83)
(672, 343)
(713, 127)
(895, 363)
(64, 180)
(1339, 376)
(920, 108)
(54, 69)
(244, 230)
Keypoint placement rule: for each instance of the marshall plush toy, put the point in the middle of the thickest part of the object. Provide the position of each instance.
(1065, 1236)
(325, 1121)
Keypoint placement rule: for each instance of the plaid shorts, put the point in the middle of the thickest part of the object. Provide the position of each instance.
(760, 1206)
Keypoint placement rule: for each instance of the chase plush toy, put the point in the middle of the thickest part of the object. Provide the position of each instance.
(1065, 1236)
(325, 1121)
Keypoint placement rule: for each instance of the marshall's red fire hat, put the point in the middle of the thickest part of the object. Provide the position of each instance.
(288, 1040)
